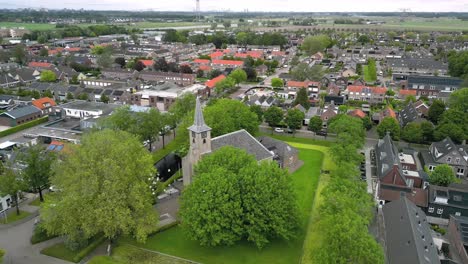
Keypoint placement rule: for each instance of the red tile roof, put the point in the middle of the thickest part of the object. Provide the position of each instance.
(43, 103)
(416, 195)
(228, 62)
(253, 54)
(302, 84)
(216, 54)
(212, 83)
(73, 49)
(278, 53)
(34, 64)
(357, 113)
(389, 112)
(147, 63)
(201, 61)
(358, 89)
(408, 92)
(205, 68)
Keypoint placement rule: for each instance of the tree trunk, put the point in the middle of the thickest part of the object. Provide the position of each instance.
(150, 146)
(17, 204)
(41, 198)
(163, 140)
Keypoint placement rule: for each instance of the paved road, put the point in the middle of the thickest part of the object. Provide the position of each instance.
(15, 241)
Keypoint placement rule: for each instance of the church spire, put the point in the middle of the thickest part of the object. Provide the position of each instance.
(199, 122)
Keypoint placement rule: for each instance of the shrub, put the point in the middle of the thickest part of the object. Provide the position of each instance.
(90, 248)
(40, 235)
(24, 126)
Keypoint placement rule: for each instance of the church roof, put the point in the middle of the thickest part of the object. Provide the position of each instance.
(243, 140)
(199, 122)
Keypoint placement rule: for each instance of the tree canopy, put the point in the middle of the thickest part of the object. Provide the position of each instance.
(294, 118)
(315, 124)
(436, 110)
(442, 175)
(277, 82)
(105, 189)
(302, 98)
(314, 44)
(227, 116)
(48, 76)
(273, 116)
(303, 72)
(389, 124)
(234, 198)
(459, 100)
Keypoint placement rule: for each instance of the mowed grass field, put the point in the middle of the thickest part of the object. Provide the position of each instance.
(30, 26)
(305, 181)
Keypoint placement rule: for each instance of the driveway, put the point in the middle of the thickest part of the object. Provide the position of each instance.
(15, 240)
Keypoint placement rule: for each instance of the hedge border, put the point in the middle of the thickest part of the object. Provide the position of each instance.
(87, 250)
(24, 126)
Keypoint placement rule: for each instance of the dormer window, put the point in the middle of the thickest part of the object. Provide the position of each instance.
(449, 159)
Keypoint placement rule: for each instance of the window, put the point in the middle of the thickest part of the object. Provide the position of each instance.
(457, 160)
(460, 171)
(440, 211)
(457, 198)
(449, 159)
(431, 168)
(457, 213)
(430, 210)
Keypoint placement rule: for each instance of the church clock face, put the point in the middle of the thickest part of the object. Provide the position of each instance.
(204, 134)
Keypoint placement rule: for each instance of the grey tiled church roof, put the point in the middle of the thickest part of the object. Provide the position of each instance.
(243, 140)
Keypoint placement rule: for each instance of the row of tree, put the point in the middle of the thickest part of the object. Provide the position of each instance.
(42, 36)
(345, 197)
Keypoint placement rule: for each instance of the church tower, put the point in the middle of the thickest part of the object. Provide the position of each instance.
(200, 143)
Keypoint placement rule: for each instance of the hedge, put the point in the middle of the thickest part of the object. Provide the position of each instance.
(87, 250)
(24, 126)
(40, 235)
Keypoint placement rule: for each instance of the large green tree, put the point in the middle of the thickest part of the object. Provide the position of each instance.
(19, 53)
(302, 98)
(389, 124)
(105, 188)
(48, 76)
(273, 116)
(303, 72)
(436, 110)
(11, 184)
(459, 100)
(442, 175)
(412, 133)
(314, 44)
(294, 118)
(234, 198)
(277, 83)
(315, 124)
(238, 75)
(37, 171)
(258, 111)
(228, 115)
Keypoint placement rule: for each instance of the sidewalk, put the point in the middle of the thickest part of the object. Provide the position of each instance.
(23, 206)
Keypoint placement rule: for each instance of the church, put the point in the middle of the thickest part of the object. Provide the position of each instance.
(202, 144)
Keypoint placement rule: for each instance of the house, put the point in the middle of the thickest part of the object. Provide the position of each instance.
(202, 144)
(372, 95)
(45, 104)
(147, 63)
(284, 154)
(83, 109)
(20, 116)
(446, 152)
(408, 237)
(317, 56)
(212, 83)
(6, 100)
(357, 113)
(329, 112)
(433, 86)
(397, 175)
(446, 201)
(224, 64)
(408, 114)
(458, 236)
(262, 70)
(421, 108)
(40, 65)
(403, 93)
(336, 99)
(5, 202)
(183, 79)
(421, 66)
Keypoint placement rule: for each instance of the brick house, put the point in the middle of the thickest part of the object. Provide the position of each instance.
(20, 116)
(446, 152)
(372, 95)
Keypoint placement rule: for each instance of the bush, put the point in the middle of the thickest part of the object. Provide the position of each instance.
(40, 235)
(90, 248)
(2, 253)
(24, 126)
(438, 229)
(76, 244)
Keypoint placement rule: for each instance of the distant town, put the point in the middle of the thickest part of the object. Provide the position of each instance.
(233, 137)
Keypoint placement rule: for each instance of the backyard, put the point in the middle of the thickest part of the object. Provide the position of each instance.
(305, 180)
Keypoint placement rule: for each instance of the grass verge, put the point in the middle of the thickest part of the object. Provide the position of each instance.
(13, 217)
(61, 252)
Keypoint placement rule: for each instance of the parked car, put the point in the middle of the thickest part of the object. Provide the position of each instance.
(322, 133)
(279, 130)
(290, 131)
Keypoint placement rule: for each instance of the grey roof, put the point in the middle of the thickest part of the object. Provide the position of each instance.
(462, 227)
(243, 140)
(444, 147)
(417, 63)
(283, 150)
(407, 234)
(22, 111)
(386, 156)
(449, 192)
(408, 114)
(90, 106)
(199, 122)
(433, 80)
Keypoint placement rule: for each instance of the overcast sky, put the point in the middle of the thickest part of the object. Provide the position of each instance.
(251, 5)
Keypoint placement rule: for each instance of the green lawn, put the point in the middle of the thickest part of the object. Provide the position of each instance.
(128, 254)
(305, 180)
(60, 251)
(30, 26)
(37, 202)
(367, 74)
(149, 24)
(12, 216)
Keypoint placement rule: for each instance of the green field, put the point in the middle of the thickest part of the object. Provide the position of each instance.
(30, 26)
(148, 24)
(129, 254)
(305, 181)
(367, 74)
